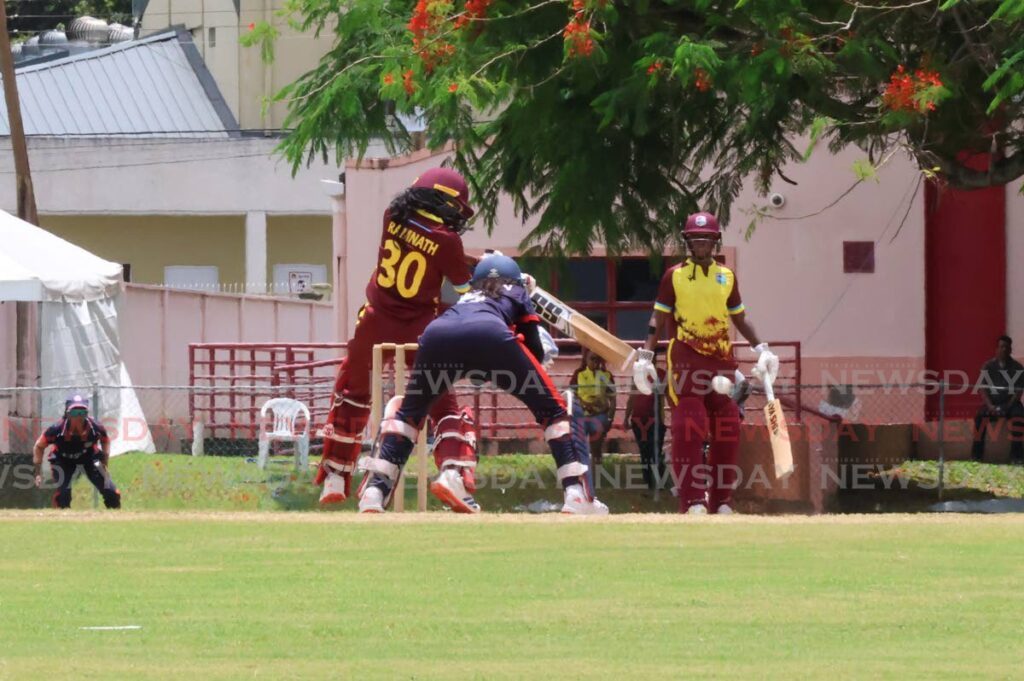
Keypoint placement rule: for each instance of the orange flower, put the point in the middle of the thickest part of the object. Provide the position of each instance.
(407, 83)
(389, 79)
(454, 87)
(903, 91)
(702, 81)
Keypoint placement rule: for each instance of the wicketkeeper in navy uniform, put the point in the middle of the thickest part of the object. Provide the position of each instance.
(490, 334)
(77, 441)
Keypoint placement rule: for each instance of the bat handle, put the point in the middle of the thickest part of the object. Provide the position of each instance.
(769, 392)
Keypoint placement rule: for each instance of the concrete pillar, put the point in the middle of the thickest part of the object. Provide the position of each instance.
(256, 252)
(339, 231)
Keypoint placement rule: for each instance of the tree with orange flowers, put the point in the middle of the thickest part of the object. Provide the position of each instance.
(609, 119)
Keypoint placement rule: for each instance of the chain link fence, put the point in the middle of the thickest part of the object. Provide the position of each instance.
(881, 434)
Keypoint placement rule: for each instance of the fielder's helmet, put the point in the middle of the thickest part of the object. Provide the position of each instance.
(702, 224)
(497, 267)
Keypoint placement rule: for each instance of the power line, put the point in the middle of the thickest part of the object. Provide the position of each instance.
(142, 143)
(145, 163)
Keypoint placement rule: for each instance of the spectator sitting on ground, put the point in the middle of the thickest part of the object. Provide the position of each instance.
(595, 401)
(1001, 384)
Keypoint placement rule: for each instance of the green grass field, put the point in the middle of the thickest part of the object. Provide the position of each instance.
(509, 483)
(273, 596)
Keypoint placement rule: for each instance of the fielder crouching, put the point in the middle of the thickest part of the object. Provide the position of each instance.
(490, 334)
(77, 441)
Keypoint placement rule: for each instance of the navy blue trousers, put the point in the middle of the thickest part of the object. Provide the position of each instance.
(481, 351)
(64, 470)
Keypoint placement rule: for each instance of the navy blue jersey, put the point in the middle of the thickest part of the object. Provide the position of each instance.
(511, 307)
(71, 445)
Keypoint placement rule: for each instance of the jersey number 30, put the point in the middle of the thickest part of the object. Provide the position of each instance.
(403, 273)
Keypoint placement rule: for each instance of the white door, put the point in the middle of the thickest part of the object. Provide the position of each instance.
(192, 277)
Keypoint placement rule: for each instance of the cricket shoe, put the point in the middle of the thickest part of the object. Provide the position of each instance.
(451, 490)
(577, 503)
(697, 509)
(371, 500)
(335, 489)
(725, 509)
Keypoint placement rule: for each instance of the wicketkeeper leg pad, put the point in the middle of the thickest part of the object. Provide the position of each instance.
(391, 450)
(572, 457)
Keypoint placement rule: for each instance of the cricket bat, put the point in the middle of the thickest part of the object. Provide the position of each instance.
(778, 432)
(591, 336)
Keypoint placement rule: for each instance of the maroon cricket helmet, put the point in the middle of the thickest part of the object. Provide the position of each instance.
(702, 224)
(450, 184)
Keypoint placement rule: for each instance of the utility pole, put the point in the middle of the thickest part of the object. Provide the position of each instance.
(26, 195)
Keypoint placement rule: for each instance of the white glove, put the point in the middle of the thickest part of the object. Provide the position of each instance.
(767, 363)
(529, 282)
(550, 348)
(645, 376)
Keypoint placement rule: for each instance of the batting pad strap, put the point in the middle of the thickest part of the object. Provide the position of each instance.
(399, 427)
(338, 438)
(340, 400)
(457, 463)
(337, 467)
(558, 430)
(469, 439)
(372, 464)
(574, 469)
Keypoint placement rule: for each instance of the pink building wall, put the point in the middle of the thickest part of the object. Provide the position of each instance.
(8, 343)
(157, 325)
(791, 270)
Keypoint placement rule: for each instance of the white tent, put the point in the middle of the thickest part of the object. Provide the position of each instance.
(78, 344)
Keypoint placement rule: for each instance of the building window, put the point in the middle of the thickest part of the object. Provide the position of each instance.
(126, 272)
(618, 294)
(858, 257)
(211, 40)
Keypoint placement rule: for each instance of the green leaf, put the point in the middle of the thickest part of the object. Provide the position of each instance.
(818, 127)
(865, 170)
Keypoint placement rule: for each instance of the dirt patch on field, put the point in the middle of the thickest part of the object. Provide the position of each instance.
(501, 518)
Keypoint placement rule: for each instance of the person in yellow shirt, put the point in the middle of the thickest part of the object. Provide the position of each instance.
(697, 299)
(595, 401)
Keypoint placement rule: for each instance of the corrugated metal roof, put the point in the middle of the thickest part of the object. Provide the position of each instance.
(154, 87)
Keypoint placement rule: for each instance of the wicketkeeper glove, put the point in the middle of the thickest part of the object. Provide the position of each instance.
(767, 363)
(645, 376)
(550, 347)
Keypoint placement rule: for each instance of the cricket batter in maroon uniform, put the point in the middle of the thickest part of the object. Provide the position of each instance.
(420, 246)
(698, 298)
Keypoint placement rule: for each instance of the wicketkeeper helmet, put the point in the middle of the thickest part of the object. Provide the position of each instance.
(496, 267)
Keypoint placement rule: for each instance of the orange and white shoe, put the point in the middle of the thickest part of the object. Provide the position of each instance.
(451, 490)
(336, 486)
(577, 503)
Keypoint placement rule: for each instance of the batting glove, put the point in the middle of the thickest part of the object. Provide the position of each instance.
(645, 376)
(767, 363)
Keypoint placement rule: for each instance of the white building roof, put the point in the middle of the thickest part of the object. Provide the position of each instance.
(154, 87)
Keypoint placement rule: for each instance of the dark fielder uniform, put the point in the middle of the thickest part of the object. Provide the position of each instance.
(484, 338)
(72, 451)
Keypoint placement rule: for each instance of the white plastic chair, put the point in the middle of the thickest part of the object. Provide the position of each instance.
(285, 411)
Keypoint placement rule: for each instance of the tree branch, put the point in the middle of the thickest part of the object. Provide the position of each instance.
(1000, 172)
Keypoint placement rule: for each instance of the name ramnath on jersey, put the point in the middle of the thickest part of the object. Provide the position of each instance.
(423, 243)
